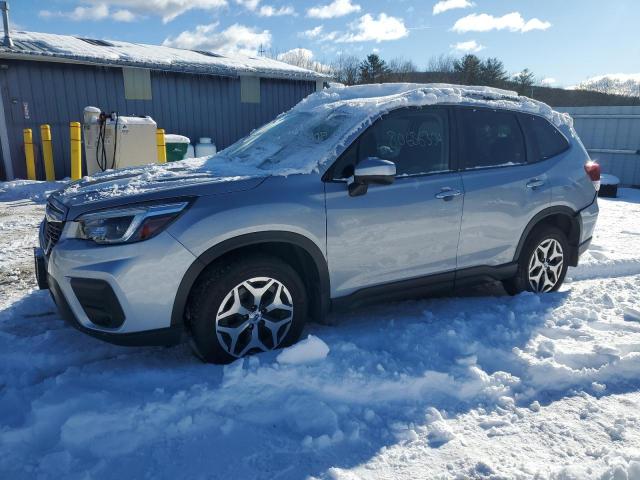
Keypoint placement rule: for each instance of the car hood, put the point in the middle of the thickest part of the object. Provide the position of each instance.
(131, 185)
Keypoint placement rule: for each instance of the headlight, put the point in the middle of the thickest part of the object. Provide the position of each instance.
(126, 225)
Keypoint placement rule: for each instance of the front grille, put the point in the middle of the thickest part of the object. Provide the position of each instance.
(53, 223)
(52, 231)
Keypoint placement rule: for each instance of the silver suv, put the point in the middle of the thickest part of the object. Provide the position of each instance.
(357, 194)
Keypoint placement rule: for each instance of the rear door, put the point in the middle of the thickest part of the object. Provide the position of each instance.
(405, 230)
(503, 191)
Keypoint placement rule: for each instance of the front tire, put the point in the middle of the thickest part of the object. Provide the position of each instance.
(248, 305)
(543, 262)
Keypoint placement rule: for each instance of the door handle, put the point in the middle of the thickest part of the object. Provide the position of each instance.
(535, 183)
(447, 194)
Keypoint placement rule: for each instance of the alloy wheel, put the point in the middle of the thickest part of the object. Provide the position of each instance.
(254, 316)
(545, 265)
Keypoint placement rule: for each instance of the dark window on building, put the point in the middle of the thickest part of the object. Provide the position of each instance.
(417, 141)
(546, 139)
(491, 138)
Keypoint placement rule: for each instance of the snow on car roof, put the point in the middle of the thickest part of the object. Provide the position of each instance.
(378, 98)
(113, 52)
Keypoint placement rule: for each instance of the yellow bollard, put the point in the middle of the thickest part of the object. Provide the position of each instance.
(28, 154)
(76, 151)
(162, 146)
(47, 152)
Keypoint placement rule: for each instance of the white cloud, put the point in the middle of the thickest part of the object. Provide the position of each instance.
(445, 5)
(303, 53)
(248, 4)
(337, 8)
(266, 10)
(233, 40)
(313, 33)
(90, 13)
(129, 10)
(269, 11)
(511, 21)
(548, 81)
(370, 29)
(469, 47)
(123, 16)
(318, 34)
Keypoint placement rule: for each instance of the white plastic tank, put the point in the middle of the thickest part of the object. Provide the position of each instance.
(191, 152)
(117, 142)
(205, 147)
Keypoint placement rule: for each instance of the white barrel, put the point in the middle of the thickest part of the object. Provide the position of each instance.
(205, 147)
(190, 152)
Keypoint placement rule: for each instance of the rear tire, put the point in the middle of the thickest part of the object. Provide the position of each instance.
(247, 305)
(543, 262)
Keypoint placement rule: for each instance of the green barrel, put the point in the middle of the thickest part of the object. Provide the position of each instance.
(177, 146)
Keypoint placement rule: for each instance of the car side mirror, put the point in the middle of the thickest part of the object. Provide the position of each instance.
(371, 170)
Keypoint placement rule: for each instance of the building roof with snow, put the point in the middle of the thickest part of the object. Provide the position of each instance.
(68, 48)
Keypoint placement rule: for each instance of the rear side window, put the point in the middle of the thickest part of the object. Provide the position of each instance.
(491, 138)
(547, 141)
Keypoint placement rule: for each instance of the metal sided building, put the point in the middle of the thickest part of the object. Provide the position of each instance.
(49, 79)
(611, 135)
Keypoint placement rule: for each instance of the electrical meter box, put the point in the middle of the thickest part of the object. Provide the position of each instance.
(112, 142)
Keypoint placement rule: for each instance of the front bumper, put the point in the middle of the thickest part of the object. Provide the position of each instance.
(159, 337)
(123, 294)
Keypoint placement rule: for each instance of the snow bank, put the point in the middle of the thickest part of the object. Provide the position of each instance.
(32, 190)
(312, 349)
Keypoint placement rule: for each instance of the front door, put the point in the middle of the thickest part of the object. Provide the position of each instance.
(405, 230)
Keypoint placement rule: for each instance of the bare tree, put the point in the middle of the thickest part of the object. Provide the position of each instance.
(442, 63)
(616, 86)
(346, 69)
(300, 57)
(400, 70)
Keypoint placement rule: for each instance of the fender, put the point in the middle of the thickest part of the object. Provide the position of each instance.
(205, 259)
(547, 212)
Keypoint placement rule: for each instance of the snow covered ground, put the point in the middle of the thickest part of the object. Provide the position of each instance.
(480, 385)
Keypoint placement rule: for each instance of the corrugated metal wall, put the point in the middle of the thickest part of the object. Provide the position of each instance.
(193, 105)
(611, 128)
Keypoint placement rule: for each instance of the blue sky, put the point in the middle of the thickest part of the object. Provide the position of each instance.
(563, 41)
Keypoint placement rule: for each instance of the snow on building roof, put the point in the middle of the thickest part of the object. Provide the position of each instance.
(34, 45)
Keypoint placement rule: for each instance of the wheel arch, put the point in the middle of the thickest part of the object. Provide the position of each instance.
(565, 219)
(301, 252)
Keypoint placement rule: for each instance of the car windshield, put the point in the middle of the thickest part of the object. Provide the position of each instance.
(293, 134)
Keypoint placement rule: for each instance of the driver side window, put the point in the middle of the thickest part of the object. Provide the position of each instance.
(416, 140)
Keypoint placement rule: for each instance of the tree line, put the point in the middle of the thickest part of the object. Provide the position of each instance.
(466, 70)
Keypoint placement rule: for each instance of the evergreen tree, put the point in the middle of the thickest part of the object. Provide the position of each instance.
(468, 69)
(524, 81)
(493, 73)
(373, 69)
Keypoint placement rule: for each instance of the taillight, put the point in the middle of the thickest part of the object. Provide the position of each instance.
(593, 170)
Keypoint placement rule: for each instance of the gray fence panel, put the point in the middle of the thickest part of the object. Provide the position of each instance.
(603, 129)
